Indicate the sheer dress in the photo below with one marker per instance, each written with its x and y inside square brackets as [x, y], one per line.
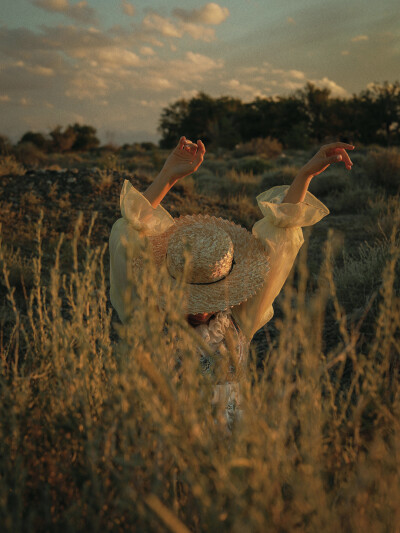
[279, 230]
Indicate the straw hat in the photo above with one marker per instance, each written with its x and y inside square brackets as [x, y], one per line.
[220, 263]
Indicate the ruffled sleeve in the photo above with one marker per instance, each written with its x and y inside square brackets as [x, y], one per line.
[139, 219]
[137, 211]
[280, 232]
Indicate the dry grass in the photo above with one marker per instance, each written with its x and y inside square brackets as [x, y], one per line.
[9, 165]
[102, 430]
[266, 147]
[106, 435]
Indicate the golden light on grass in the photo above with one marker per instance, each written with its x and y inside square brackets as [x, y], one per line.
[116, 435]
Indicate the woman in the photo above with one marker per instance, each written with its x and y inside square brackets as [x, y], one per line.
[234, 276]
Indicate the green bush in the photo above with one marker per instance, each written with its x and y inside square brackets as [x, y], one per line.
[332, 181]
[382, 167]
[279, 176]
[362, 274]
[351, 199]
[256, 165]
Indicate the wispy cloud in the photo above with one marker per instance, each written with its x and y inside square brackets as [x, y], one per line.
[80, 11]
[128, 8]
[153, 22]
[359, 38]
[211, 13]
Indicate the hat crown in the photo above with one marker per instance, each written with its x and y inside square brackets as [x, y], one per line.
[201, 252]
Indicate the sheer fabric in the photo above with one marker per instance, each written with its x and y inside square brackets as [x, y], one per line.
[279, 230]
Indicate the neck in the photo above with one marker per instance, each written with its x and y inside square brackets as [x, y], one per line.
[201, 318]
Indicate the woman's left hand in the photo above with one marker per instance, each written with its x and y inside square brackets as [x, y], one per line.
[326, 155]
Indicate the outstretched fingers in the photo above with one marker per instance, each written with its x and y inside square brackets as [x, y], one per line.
[338, 153]
[346, 146]
[201, 150]
[182, 142]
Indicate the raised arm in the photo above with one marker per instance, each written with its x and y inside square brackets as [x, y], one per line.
[183, 161]
[326, 155]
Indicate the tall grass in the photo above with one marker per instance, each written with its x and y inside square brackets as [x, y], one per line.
[99, 434]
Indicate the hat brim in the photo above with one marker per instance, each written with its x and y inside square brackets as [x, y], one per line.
[244, 280]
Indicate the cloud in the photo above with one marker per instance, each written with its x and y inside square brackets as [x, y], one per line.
[80, 11]
[112, 57]
[336, 90]
[198, 32]
[86, 85]
[209, 14]
[153, 22]
[156, 22]
[241, 90]
[147, 51]
[359, 38]
[128, 8]
[35, 69]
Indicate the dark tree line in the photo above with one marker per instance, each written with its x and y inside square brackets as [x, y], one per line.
[76, 137]
[307, 116]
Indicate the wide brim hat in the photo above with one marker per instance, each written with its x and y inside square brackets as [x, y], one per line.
[218, 263]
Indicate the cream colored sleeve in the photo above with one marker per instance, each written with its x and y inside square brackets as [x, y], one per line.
[139, 219]
[282, 237]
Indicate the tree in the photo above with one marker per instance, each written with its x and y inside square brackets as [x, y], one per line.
[171, 121]
[5, 145]
[85, 137]
[62, 141]
[77, 138]
[37, 139]
[308, 115]
[316, 103]
[384, 102]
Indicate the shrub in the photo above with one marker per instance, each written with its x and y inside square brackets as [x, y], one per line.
[103, 432]
[385, 215]
[354, 199]
[266, 147]
[9, 165]
[29, 155]
[383, 169]
[333, 181]
[362, 273]
[245, 211]
[243, 182]
[256, 165]
[279, 176]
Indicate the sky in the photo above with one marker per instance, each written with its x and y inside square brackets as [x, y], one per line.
[115, 64]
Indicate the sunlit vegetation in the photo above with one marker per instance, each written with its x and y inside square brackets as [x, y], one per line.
[101, 430]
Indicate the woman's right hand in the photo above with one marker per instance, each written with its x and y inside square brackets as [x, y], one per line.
[183, 160]
[326, 155]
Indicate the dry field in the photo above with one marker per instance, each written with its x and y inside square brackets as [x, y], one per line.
[97, 433]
